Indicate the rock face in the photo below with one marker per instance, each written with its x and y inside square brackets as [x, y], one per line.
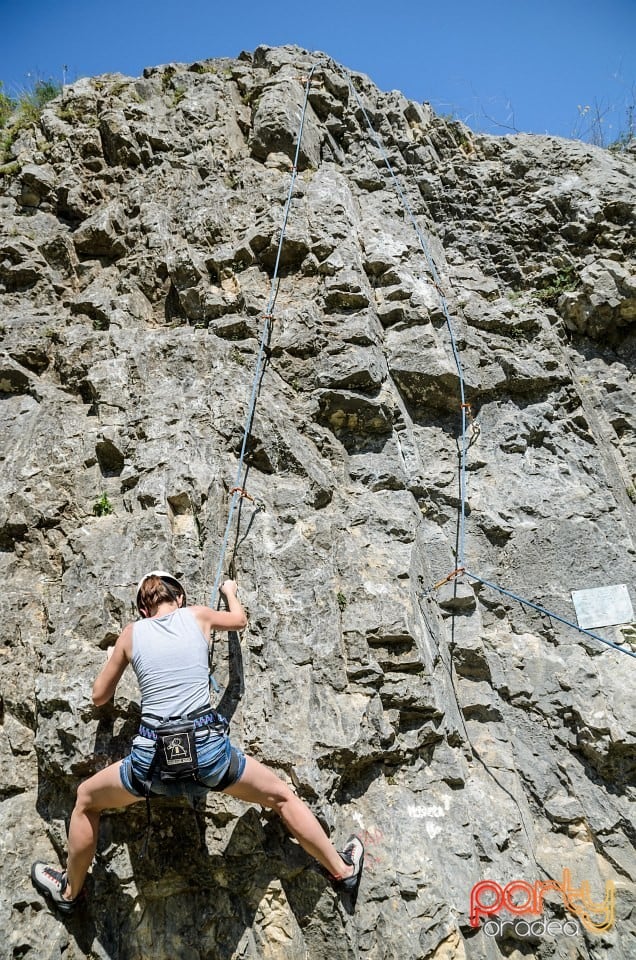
[463, 735]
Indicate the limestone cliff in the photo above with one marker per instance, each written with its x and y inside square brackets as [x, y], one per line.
[465, 736]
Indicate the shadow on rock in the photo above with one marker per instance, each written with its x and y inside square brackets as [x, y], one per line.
[183, 900]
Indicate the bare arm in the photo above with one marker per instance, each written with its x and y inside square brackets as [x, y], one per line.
[233, 618]
[111, 673]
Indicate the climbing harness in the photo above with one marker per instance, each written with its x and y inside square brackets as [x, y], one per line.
[175, 756]
[466, 412]
[175, 752]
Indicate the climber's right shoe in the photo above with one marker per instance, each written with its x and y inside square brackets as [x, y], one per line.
[352, 854]
[51, 884]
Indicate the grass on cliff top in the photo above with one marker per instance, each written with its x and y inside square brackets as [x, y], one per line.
[16, 113]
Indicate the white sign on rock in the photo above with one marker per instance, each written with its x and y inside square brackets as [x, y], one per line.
[603, 606]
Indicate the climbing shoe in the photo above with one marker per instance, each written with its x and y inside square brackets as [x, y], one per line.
[51, 884]
[353, 853]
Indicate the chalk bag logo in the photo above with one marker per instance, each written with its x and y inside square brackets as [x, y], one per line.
[488, 898]
[177, 748]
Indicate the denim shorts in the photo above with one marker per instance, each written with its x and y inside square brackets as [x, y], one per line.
[214, 751]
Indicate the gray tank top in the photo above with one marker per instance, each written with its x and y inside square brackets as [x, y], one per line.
[170, 659]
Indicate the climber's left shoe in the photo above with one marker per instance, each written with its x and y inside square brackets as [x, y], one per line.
[51, 884]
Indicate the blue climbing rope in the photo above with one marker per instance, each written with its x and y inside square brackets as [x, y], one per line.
[444, 305]
[548, 613]
[461, 550]
[237, 490]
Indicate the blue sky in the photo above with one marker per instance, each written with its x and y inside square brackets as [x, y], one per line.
[532, 65]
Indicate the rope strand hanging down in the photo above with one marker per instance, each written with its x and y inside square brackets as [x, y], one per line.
[466, 414]
[443, 303]
[267, 316]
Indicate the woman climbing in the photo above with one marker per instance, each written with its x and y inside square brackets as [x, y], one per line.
[168, 650]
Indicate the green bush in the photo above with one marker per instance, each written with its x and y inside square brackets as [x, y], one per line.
[17, 113]
[102, 507]
[7, 106]
[43, 92]
[551, 289]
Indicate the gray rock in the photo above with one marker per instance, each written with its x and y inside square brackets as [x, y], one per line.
[606, 300]
[276, 120]
[463, 734]
[118, 142]
[101, 235]
[38, 183]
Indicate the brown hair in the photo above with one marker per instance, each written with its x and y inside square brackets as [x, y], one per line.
[154, 591]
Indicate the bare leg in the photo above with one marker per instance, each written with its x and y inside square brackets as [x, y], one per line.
[260, 785]
[103, 791]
